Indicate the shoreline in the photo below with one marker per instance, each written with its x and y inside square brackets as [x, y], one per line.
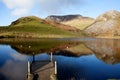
[107, 37]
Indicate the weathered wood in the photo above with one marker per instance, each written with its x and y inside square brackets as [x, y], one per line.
[51, 56]
[43, 70]
[55, 67]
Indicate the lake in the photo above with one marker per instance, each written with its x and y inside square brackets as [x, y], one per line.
[77, 59]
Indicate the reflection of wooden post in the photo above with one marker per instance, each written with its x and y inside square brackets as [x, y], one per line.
[55, 67]
[33, 58]
[51, 56]
[28, 70]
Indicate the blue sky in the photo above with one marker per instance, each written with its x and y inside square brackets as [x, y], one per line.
[10, 10]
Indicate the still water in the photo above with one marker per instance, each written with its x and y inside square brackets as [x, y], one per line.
[77, 59]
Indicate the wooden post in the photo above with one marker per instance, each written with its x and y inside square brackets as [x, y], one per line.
[51, 56]
[28, 70]
[55, 67]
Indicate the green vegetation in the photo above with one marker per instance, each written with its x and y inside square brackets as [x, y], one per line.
[33, 27]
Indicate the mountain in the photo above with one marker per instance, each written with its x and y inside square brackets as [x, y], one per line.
[77, 21]
[34, 19]
[34, 27]
[106, 25]
[62, 18]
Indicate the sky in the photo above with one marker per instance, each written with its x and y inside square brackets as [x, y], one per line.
[10, 10]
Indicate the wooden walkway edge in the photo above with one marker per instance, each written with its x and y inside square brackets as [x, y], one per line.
[42, 70]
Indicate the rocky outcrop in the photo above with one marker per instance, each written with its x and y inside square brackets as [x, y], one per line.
[107, 24]
[64, 18]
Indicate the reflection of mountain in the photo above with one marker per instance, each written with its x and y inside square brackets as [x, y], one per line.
[58, 47]
[75, 51]
[42, 47]
[38, 46]
[105, 49]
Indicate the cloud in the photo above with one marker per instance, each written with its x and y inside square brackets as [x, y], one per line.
[19, 7]
[20, 11]
[57, 6]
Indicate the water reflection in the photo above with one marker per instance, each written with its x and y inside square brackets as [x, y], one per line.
[106, 50]
[10, 64]
[78, 59]
[33, 46]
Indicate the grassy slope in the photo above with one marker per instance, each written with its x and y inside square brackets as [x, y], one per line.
[35, 29]
[80, 24]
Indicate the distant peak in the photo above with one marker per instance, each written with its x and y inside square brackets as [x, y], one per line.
[62, 18]
[74, 15]
[112, 14]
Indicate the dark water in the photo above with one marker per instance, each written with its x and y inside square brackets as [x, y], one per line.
[77, 59]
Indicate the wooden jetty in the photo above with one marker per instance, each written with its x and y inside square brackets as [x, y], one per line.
[42, 70]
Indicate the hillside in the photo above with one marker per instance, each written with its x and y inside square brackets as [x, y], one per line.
[106, 25]
[34, 27]
[77, 21]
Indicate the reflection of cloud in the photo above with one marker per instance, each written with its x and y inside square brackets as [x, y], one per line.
[16, 68]
[19, 57]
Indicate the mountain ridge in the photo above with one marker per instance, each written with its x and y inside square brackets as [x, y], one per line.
[63, 18]
[77, 21]
[105, 25]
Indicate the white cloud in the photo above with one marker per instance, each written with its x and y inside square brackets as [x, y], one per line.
[58, 6]
[19, 7]
[20, 11]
